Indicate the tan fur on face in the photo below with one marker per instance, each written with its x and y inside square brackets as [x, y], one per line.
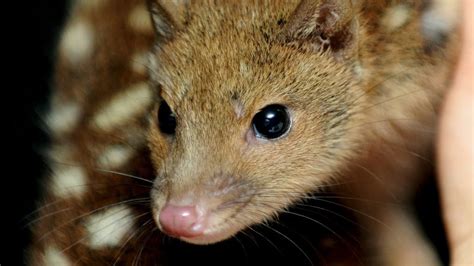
[322, 72]
[201, 79]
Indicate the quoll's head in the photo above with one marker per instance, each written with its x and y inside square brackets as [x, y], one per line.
[253, 109]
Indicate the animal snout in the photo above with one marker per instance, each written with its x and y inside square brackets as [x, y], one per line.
[182, 221]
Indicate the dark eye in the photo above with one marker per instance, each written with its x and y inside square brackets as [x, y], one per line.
[166, 119]
[271, 122]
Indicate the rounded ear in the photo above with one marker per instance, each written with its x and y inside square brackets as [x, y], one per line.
[320, 25]
[168, 16]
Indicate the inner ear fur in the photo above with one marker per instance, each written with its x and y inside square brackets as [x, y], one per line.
[323, 25]
[167, 16]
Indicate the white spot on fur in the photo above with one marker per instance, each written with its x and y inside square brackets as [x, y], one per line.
[77, 42]
[139, 19]
[53, 256]
[124, 107]
[115, 156]
[396, 16]
[440, 19]
[68, 181]
[139, 63]
[63, 117]
[108, 228]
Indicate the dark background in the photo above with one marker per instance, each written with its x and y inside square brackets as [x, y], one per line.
[35, 40]
[34, 33]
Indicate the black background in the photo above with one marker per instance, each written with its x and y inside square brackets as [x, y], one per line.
[32, 35]
[33, 44]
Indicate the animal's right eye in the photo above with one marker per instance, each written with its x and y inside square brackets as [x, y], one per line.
[272, 122]
[166, 119]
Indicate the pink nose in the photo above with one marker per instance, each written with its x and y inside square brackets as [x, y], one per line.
[181, 221]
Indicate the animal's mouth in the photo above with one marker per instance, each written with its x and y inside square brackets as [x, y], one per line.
[214, 235]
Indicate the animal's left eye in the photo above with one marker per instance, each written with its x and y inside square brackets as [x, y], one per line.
[166, 119]
[272, 122]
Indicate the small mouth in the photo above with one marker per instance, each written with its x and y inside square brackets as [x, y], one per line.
[212, 236]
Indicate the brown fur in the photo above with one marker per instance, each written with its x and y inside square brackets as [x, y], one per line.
[363, 100]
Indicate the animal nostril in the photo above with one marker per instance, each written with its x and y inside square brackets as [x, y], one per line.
[181, 221]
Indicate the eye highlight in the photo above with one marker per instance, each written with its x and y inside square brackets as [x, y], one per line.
[272, 122]
[166, 119]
